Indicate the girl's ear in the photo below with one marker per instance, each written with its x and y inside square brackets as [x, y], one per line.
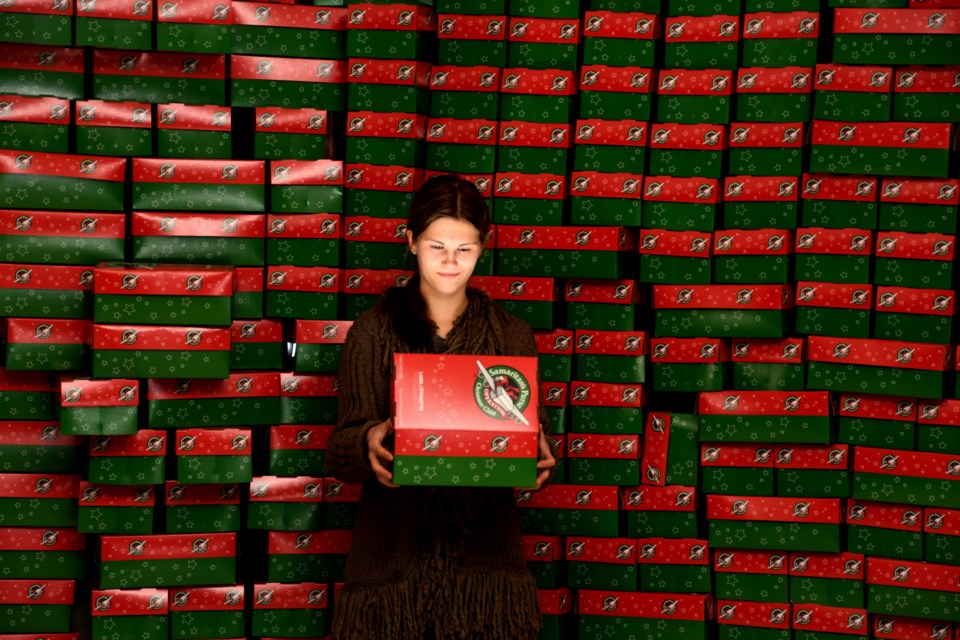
[410, 242]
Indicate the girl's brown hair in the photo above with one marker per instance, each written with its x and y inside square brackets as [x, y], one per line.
[448, 196]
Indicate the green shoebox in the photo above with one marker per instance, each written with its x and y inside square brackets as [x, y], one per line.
[904, 148]
[376, 243]
[299, 450]
[621, 614]
[555, 402]
[663, 512]
[341, 503]
[47, 345]
[380, 191]
[194, 131]
[833, 255]
[688, 96]
[393, 86]
[168, 560]
[607, 408]
[531, 147]
[158, 77]
[199, 185]
[768, 149]
[814, 471]
[530, 299]
[926, 94]
[920, 206]
[877, 421]
[941, 535]
[384, 138]
[590, 252]
[260, 30]
[363, 287]
[688, 150]
[612, 199]
[828, 577]
[306, 186]
[839, 202]
[115, 509]
[114, 23]
[915, 589]
[319, 345]
[936, 422]
[710, 41]
[317, 555]
[253, 399]
[207, 612]
[35, 124]
[132, 612]
[282, 609]
[288, 82]
[378, 30]
[610, 356]
[733, 311]
[38, 446]
[821, 622]
[856, 94]
[310, 399]
[681, 204]
[256, 344]
[753, 255]
[532, 95]
[601, 459]
[567, 9]
[630, 37]
[136, 459]
[545, 559]
[674, 565]
[834, 309]
[98, 407]
[617, 93]
[53, 71]
[26, 396]
[760, 202]
[61, 237]
[610, 143]
[213, 456]
[198, 26]
[912, 369]
[41, 290]
[555, 356]
[787, 524]
[670, 449]
[37, 608]
[465, 92]
[746, 470]
[204, 238]
[689, 364]
[202, 508]
[774, 95]
[761, 576]
[675, 257]
[42, 554]
[84, 183]
[113, 128]
[702, 7]
[285, 504]
[304, 240]
[781, 39]
[601, 563]
[769, 365]
[869, 36]
[461, 146]
[559, 509]
[543, 43]
[802, 417]
[470, 40]
[144, 351]
[247, 301]
[297, 134]
[894, 531]
[753, 620]
[914, 259]
[915, 315]
[609, 305]
[311, 293]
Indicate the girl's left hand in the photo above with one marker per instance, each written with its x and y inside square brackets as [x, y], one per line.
[546, 462]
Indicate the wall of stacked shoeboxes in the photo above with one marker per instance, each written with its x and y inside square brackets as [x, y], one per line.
[731, 222]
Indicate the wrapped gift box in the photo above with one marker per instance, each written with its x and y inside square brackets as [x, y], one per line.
[610, 614]
[625, 36]
[270, 30]
[37, 446]
[869, 36]
[198, 185]
[304, 240]
[461, 146]
[761, 576]
[362, 288]
[787, 524]
[921, 206]
[207, 612]
[892, 530]
[256, 344]
[839, 202]
[545, 559]
[674, 565]
[532, 95]
[666, 512]
[941, 535]
[607, 408]
[769, 365]
[689, 364]
[752, 255]
[399, 86]
[590, 252]
[675, 257]
[311, 293]
[738, 470]
[384, 138]
[115, 509]
[253, 400]
[555, 359]
[47, 345]
[211, 238]
[774, 96]
[375, 243]
[380, 191]
[568, 9]
[610, 143]
[833, 255]
[834, 309]
[837, 578]
[26, 396]
[670, 449]
[280, 608]
[814, 471]
[208, 456]
[918, 315]
[606, 198]
[247, 301]
[753, 620]
[895, 475]
[681, 204]
[299, 450]
[308, 399]
[115, 23]
[606, 304]
[918, 259]
[760, 202]
[198, 26]
[113, 128]
[142, 613]
[37, 608]
[285, 504]
[517, 195]
[194, 131]
[761, 311]
[780, 39]
[54, 71]
[821, 622]
[159, 560]
[556, 607]
[617, 94]
[471, 39]
[927, 94]
[127, 459]
[602, 563]
[288, 82]
[600, 459]
[158, 77]
[556, 400]
[317, 555]
[85, 183]
[143, 351]
[42, 554]
[61, 237]
[402, 31]
[914, 589]
[710, 41]
[935, 427]
[300, 134]
[306, 186]
[877, 421]
[901, 628]
[688, 150]
[464, 92]
[852, 93]
[768, 149]
[904, 148]
[98, 407]
[319, 345]
[341, 501]
[543, 42]
[559, 509]
[610, 356]
[531, 147]
[35, 124]
[692, 96]
[202, 508]
[803, 417]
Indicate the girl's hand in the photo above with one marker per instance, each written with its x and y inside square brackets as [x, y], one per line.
[378, 454]
[546, 460]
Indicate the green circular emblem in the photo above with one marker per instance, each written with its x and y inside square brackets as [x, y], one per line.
[508, 396]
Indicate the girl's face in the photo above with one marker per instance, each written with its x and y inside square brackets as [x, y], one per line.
[447, 252]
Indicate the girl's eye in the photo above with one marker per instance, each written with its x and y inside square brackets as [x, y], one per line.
[465, 249]
[437, 247]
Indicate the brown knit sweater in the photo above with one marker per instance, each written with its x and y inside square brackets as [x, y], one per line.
[447, 558]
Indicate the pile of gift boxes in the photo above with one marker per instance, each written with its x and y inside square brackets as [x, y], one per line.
[731, 224]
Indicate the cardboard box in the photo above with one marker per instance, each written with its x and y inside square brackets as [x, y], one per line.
[556, 403]
[691, 96]
[786, 524]
[688, 150]
[385, 192]
[530, 299]
[294, 556]
[402, 32]
[299, 450]
[545, 559]
[298, 134]
[544, 42]
[760, 311]
[202, 508]
[311, 293]
[760, 202]
[304, 240]
[288, 82]
[774, 95]
[868, 36]
[116, 23]
[752, 255]
[606, 198]
[38, 446]
[919, 315]
[601, 459]
[207, 456]
[376, 243]
[98, 407]
[894, 475]
[919, 587]
[126, 509]
[590, 252]
[610, 143]
[537, 95]
[834, 578]
[602, 304]
[814, 471]
[143, 351]
[739, 619]
[926, 94]
[839, 202]
[136, 459]
[37, 608]
[617, 93]
[602, 563]
[902, 628]
[607, 408]
[319, 345]
[674, 565]
[206, 612]
[804, 417]
[256, 344]
[200, 26]
[139, 612]
[47, 345]
[912, 149]
[341, 502]
[308, 399]
[385, 138]
[113, 128]
[314, 33]
[852, 93]
[611, 356]
[834, 309]
[892, 530]
[670, 449]
[818, 621]
[278, 608]
[362, 288]
[26, 396]
[710, 41]
[556, 608]
[877, 421]
[516, 194]
[158, 77]
[194, 131]
[914, 259]
[621, 36]
[465, 92]
[306, 186]
[558, 509]
[738, 470]
[756, 151]
[228, 239]
[681, 204]
[472, 40]
[760, 576]
[675, 257]
[935, 422]
[689, 364]
[664, 512]
[164, 560]
[769, 365]
[833, 255]
[61, 237]
[461, 146]
[780, 39]
[544, 8]
[940, 535]
[399, 86]
[54, 71]
[198, 185]
[42, 554]
[35, 124]
[532, 147]
[555, 355]
[247, 300]
[917, 205]
[622, 613]
[253, 399]
[89, 183]
[285, 504]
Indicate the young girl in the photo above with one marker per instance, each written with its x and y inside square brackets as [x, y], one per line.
[425, 562]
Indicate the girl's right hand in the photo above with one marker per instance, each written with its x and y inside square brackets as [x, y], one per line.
[378, 454]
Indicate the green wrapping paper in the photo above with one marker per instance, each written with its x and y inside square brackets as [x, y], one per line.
[311, 293]
[271, 30]
[914, 589]
[61, 237]
[532, 95]
[675, 257]
[858, 94]
[30, 446]
[26, 396]
[362, 288]
[692, 97]
[760, 255]
[288, 82]
[227, 239]
[194, 131]
[247, 301]
[38, 22]
[758, 575]
[308, 399]
[896, 529]
[774, 95]
[285, 504]
[788, 524]
[304, 186]
[877, 421]
[316, 555]
[319, 345]
[380, 191]
[253, 399]
[393, 86]
[533, 147]
[689, 364]
[839, 202]
[558, 510]
[531, 299]
[142, 351]
[753, 620]
[299, 450]
[628, 37]
[940, 535]
[544, 8]
[916, 315]
[555, 359]
[127, 460]
[543, 43]
[402, 32]
[544, 557]
[198, 185]
[461, 146]
[781, 39]
[611, 614]
[769, 365]
[200, 26]
[602, 563]
[207, 612]
[601, 143]
[688, 150]
[833, 255]
[681, 204]
[834, 309]
[922, 206]
[98, 407]
[35, 124]
[734, 311]
[868, 36]
[936, 427]
[815, 471]
[168, 560]
[607, 408]
[760, 202]
[600, 459]
[37, 608]
[602, 304]
[914, 259]
[802, 417]
[926, 94]
[214, 456]
[590, 252]
[146, 77]
[296, 610]
[702, 42]
[202, 508]
[517, 194]
[902, 148]
[834, 578]
[304, 240]
[113, 128]
[664, 512]
[375, 243]
[746, 470]
[83, 183]
[670, 450]
[768, 149]
[469, 40]
[114, 23]
[54, 71]
[256, 344]
[894, 475]
[464, 92]
[290, 133]
[48, 345]
[42, 554]
[385, 138]
[555, 402]
[142, 613]
[340, 504]
[612, 199]
[674, 565]
[115, 509]
[616, 93]
[610, 356]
